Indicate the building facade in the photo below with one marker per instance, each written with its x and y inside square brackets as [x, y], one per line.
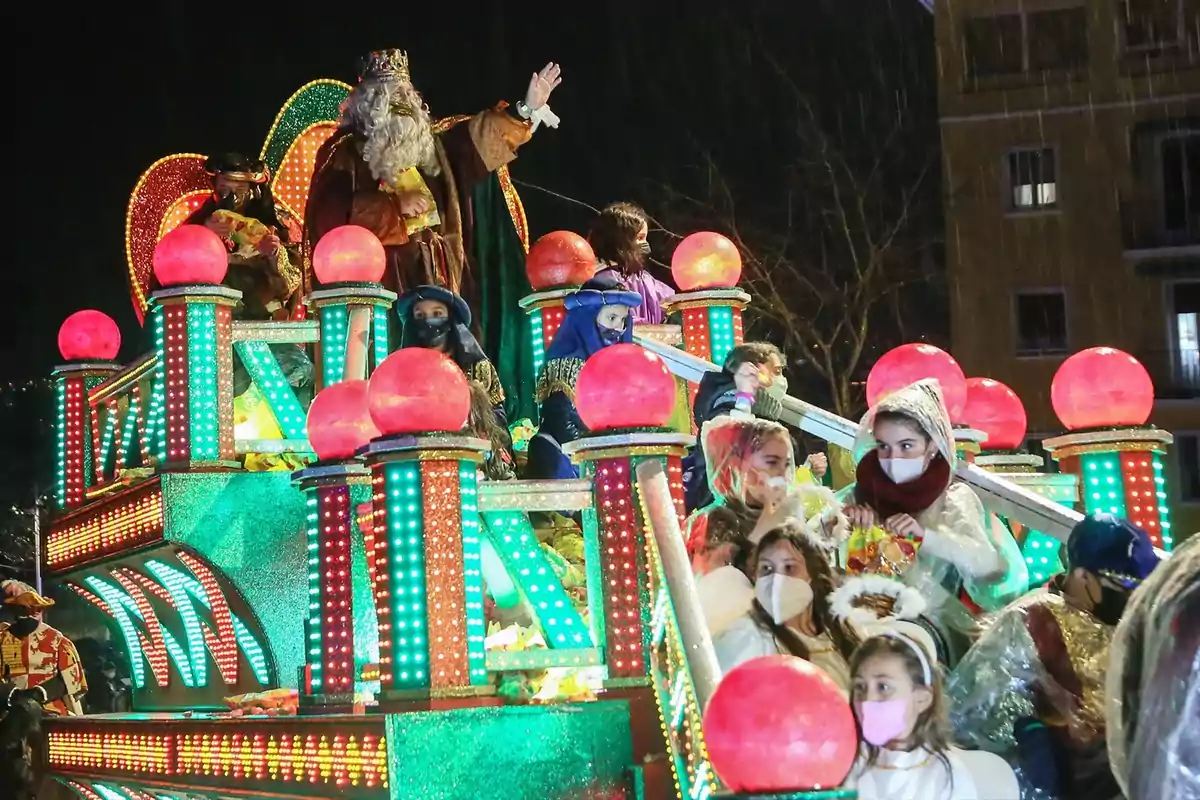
[1071, 142]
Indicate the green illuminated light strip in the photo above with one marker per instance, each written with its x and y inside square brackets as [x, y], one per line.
[536, 331]
[406, 568]
[1102, 486]
[106, 443]
[553, 610]
[202, 380]
[113, 597]
[380, 334]
[172, 581]
[334, 320]
[154, 436]
[720, 332]
[473, 572]
[1164, 511]
[265, 372]
[125, 448]
[314, 629]
[60, 464]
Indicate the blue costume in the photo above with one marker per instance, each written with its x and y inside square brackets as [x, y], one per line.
[579, 337]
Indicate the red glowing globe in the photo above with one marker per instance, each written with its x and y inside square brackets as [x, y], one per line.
[909, 363]
[624, 386]
[706, 260]
[779, 724]
[349, 254]
[561, 258]
[996, 410]
[89, 335]
[1102, 387]
[339, 420]
[190, 254]
[418, 390]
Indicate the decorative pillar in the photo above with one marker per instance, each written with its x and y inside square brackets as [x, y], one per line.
[193, 337]
[329, 670]
[355, 329]
[967, 442]
[1120, 472]
[74, 425]
[546, 312]
[427, 566]
[712, 325]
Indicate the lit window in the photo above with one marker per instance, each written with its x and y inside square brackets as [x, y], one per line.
[1031, 176]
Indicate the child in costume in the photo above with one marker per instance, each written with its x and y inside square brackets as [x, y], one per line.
[911, 517]
[598, 315]
[619, 240]
[1033, 687]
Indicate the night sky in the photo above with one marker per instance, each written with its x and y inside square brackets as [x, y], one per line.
[647, 86]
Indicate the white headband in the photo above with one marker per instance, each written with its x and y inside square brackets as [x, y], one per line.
[922, 656]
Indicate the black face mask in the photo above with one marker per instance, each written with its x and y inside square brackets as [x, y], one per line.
[609, 336]
[432, 331]
[644, 248]
[1111, 606]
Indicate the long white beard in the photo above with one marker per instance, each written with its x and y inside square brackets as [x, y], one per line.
[393, 142]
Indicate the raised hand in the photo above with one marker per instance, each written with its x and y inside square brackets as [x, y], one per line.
[861, 517]
[413, 204]
[221, 227]
[541, 85]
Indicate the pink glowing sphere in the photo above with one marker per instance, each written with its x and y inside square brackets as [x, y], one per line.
[339, 420]
[349, 254]
[706, 260]
[779, 724]
[909, 363]
[561, 258]
[89, 335]
[996, 410]
[1102, 387]
[188, 255]
[418, 390]
[624, 386]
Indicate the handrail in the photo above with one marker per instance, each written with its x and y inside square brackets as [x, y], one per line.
[293, 332]
[123, 379]
[999, 495]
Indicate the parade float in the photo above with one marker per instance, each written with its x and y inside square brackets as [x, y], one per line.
[339, 629]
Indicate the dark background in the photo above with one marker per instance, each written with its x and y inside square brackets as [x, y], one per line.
[651, 92]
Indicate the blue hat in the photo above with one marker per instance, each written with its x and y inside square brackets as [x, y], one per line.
[602, 291]
[458, 307]
[1112, 547]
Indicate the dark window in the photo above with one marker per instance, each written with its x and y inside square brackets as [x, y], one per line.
[993, 45]
[1057, 39]
[1041, 323]
[1187, 451]
[1152, 24]
[1031, 177]
[1181, 183]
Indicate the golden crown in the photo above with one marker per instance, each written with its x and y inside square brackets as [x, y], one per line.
[391, 63]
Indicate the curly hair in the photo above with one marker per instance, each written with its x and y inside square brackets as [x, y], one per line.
[614, 236]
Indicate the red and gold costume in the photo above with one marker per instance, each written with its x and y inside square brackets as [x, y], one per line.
[33, 654]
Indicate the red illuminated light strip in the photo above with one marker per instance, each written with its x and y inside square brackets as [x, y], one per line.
[225, 443]
[74, 441]
[124, 522]
[337, 624]
[445, 587]
[738, 331]
[1141, 494]
[552, 319]
[151, 641]
[178, 405]
[620, 569]
[383, 574]
[696, 334]
[223, 642]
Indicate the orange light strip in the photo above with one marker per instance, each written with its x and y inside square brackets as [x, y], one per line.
[445, 590]
[126, 521]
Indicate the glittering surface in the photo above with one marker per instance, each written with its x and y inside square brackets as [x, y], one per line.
[444, 587]
[294, 177]
[623, 570]
[366, 623]
[251, 527]
[313, 102]
[158, 190]
[577, 751]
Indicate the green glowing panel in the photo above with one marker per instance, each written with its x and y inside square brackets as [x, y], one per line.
[720, 332]
[1164, 511]
[511, 753]
[251, 526]
[202, 380]
[334, 320]
[536, 332]
[366, 623]
[380, 334]
[265, 372]
[60, 456]
[468, 475]
[319, 101]
[406, 575]
[313, 629]
[554, 611]
[1101, 483]
[154, 435]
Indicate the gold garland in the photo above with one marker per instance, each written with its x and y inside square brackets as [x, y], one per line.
[558, 375]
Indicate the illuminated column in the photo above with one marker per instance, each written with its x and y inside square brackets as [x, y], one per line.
[712, 321]
[967, 442]
[1104, 397]
[193, 333]
[546, 312]
[353, 306]
[329, 672]
[427, 566]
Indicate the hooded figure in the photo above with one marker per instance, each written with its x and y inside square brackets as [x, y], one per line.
[434, 317]
[1033, 687]
[598, 315]
[905, 485]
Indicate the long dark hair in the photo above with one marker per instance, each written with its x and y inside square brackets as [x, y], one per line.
[820, 578]
[614, 236]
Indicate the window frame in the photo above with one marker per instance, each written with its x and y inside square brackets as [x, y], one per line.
[1034, 291]
[1018, 9]
[1161, 47]
[1010, 185]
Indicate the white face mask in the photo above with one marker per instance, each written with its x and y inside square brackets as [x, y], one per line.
[783, 596]
[903, 470]
[778, 388]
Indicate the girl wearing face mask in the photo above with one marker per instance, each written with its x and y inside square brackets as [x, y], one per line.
[619, 239]
[905, 751]
[790, 610]
[905, 484]
[598, 316]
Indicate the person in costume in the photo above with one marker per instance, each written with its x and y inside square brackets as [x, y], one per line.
[912, 518]
[619, 240]
[789, 610]
[1154, 683]
[598, 315]
[484, 422]
[390, 169]
[752, 376]
[36, 661]
[905, 747]
[1033, 687]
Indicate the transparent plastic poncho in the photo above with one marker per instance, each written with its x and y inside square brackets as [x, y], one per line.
[1154, 684]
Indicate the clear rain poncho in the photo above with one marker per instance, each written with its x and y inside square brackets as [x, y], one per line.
[1154, 684]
